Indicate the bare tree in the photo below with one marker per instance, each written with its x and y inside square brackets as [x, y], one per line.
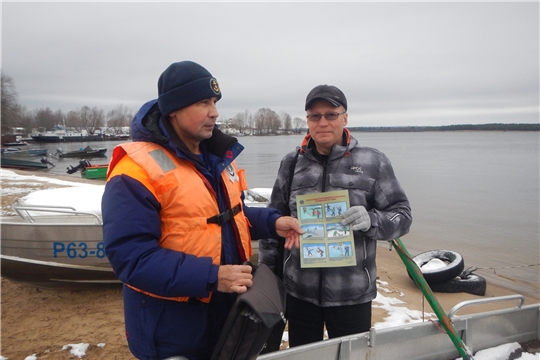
[238, 121]
[91, 119]
[48, 119]
[299, 124]
[286, 121]
[119, 117]
[266, 121]
[27, 120]
[72, 119]
[11, 110]
[274, 122]
[250, 122]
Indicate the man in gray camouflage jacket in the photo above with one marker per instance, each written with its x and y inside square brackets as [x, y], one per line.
[331, 159]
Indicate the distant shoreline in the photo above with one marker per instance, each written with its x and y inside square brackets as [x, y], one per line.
[462, 127]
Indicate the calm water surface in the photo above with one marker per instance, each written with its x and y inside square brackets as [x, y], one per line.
[475, 192]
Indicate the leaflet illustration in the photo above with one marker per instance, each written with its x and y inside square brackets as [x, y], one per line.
[325, 242]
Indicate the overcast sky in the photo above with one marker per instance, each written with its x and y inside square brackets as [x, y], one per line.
[399, 63]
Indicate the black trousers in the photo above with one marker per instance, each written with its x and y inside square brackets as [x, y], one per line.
[307, 320]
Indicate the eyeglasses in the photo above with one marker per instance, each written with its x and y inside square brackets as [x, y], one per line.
[332, 115]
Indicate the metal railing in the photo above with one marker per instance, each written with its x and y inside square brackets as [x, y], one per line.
[24, 211]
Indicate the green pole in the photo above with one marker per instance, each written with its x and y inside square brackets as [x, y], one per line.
[420, 281]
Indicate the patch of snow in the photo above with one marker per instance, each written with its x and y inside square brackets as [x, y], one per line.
[78, 350]
[434, 264]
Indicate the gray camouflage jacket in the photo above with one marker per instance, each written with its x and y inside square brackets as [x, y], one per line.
[369, 177]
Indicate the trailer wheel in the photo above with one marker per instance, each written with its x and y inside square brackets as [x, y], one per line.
[472, 284]
[453, 265]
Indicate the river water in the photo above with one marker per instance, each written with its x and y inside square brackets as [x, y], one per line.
[474, 192]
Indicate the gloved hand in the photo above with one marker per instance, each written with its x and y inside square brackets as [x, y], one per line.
[357, 217]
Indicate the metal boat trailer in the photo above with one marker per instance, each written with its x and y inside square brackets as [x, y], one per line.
[427, 341]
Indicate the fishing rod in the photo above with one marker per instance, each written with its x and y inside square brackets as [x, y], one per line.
[421, 282]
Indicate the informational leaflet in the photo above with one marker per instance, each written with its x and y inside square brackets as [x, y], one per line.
[325, 242]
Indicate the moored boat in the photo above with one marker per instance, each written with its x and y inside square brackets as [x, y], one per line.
[95, 172]
[89, 171]
[24, 152]
[61, 136]
[82, 152]
[15, 143]
[14, 162]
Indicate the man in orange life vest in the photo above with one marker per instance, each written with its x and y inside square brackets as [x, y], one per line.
[175, 226]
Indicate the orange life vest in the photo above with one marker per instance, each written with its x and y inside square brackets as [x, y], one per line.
[187, 200]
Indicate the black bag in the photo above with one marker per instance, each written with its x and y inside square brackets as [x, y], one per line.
[252, 318]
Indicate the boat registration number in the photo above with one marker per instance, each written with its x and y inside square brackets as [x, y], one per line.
[81, 250]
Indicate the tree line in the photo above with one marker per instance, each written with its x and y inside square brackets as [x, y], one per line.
[264, 122]
[14, 115]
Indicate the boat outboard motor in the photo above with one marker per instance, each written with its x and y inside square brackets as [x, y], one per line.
[72, 170]
[83, 164]
[44, 160]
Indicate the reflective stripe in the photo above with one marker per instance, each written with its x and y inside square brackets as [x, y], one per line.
[162, 160]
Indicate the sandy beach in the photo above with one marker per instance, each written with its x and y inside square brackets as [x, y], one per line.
[42, 322]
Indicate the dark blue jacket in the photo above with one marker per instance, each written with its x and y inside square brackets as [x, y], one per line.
[158, 328]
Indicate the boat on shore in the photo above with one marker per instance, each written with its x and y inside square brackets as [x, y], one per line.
[58, 246]
[82, 152]
[426, 340]
[89, 171]
[54, 247]
[24, 152]
[95, 172]
[14, 162]
[15, 143]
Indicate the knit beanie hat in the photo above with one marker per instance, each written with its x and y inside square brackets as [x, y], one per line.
[185, 83]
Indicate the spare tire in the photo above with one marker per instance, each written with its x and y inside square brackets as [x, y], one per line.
[453, 265]
[472, 284]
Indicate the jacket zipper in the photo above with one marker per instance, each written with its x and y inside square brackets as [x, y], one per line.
[321, 270]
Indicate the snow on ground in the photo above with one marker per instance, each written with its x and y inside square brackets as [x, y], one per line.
[89, 199]
[397, 314]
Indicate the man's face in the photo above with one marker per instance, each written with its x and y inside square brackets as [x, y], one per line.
[326, 133]
[195, 123]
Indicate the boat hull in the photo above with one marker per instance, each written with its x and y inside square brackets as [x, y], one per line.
[55, 251]
[17, 163]
[25, 152]
[426, 340]
[95, 172]
[54, 275]
[75, 138]
[84, 153]
[59, 251]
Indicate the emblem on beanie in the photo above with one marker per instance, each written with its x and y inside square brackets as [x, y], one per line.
[214, 85]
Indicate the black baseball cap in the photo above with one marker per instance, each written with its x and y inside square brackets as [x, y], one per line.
[329, 93]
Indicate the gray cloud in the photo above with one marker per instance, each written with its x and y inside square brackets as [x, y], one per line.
[426, 63]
